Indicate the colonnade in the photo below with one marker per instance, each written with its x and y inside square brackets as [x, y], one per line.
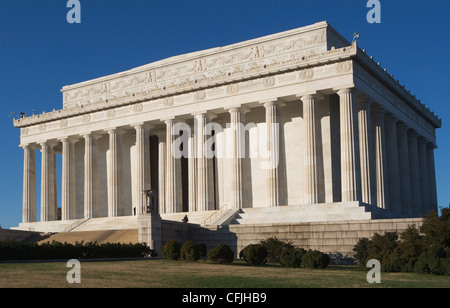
[383, 162]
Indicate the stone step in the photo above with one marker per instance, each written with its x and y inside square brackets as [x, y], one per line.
[104, 236]
[193, 217]
[303, 213]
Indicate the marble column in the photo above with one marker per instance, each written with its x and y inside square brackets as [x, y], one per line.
[53, 206]
[395, 195]
[404, 166]
[68, 193]
[205, 180]
[432, 177]
[368, 189]
[237, 145]
[192, 173]
[46, 196]
[416, 201]
[424, 177]
[90, 166]
[350, 158]
[313, 159]
[142, 167]
[115, 173]
[381, 173]
[173, 172]
[161, 171]
[29, 184]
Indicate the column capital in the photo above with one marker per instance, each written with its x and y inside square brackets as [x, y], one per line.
[71, 139]
[238, 108]
[31, 146]
[422, 140]
[273, 102]
[391, 117]
[168, 120]
[347, 90]
[310, 95]
[412, 133]
[402, 125]
[431, 146]
[143, 125]
[378, 109]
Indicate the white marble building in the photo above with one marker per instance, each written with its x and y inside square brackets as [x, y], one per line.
[329, 135]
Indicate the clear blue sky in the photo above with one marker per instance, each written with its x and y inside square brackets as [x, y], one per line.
[40, 53]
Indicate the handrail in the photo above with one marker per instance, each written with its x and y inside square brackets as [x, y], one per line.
[76, 224]
[218, 212]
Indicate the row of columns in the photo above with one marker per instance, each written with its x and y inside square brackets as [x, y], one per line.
[392, 170]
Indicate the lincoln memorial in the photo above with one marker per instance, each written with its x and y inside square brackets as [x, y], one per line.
[298, 126]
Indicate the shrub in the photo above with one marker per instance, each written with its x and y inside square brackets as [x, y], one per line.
[222, 253]
[171, 250]
[254, 254]
[432, 261]
[292, 257]
[315, 259]
[274, 248]
[361, 250]
[190, 251]
[378, 247]
[11, 250]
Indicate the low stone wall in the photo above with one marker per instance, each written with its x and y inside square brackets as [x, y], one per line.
[328, 237]
[16, 235]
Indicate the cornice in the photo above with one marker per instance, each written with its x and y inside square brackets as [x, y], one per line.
[268, 61]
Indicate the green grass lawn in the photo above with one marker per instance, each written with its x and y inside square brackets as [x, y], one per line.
[202, 274]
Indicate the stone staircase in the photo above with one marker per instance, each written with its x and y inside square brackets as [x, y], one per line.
[108, 223]
[303, 213]
[104, 236]
[193, 217]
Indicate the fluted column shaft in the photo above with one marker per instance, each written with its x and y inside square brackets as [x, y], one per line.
[29, 185]
[432, 177]
[237, 145]
[161, 171]
[46, 182]
[68, 193]
[380, 158]
[312, 158]
[114, 175]
[173, 172]
[89, 175]
[192, 172]
[424, 177]
[404, 166]
[142, 168]
[416, 201]
[366, 152]
[205, 184]
[350, 159]
[395, 199]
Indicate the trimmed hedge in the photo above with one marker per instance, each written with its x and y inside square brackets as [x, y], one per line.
[292, 257]
[222, 253]
[190, 251]
[274, 248]
[13, 250]
[315, 259]
[254, 254]
[277, 251]
[171, 250]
